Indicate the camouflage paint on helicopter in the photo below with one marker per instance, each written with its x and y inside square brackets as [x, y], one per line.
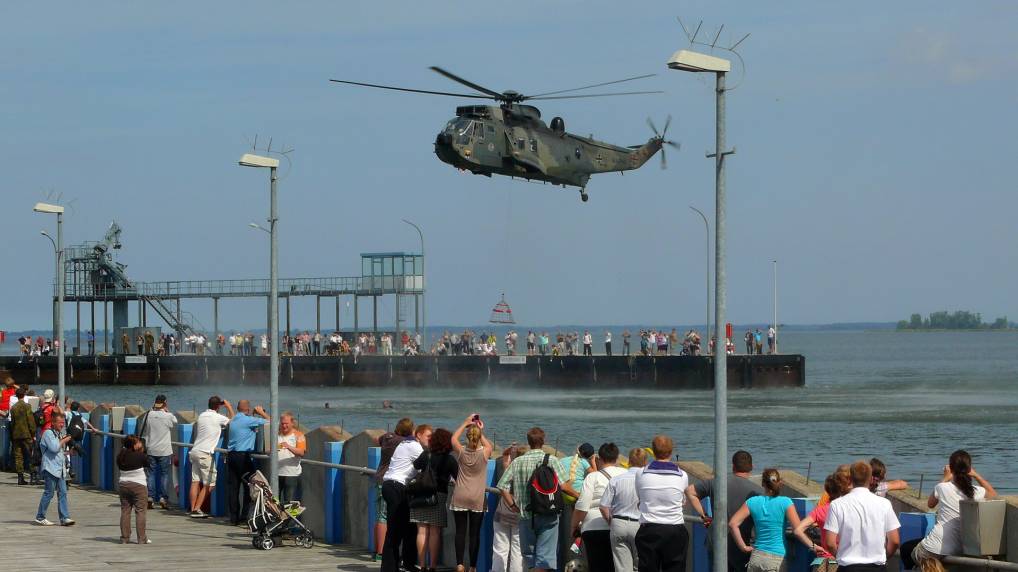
[511, 139]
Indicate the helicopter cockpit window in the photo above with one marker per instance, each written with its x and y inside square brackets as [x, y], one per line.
[521, 143]
[465, 130]
[533, 145]
[479, 131]
[458, 126]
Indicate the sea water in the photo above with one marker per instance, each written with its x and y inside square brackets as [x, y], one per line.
[908, 398]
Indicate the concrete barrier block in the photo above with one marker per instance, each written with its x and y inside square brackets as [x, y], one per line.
[358, 511]
[313, 478]
[1011, 522]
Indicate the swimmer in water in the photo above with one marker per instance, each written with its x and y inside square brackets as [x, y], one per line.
[326, 404]
[387, 404]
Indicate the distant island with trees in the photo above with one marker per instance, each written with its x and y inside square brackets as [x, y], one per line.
[960, 320]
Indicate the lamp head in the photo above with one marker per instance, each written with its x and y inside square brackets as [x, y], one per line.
[249, 160]
[48, 208]
[690, 61]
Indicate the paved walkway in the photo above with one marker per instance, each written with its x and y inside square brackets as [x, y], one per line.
[178, 542]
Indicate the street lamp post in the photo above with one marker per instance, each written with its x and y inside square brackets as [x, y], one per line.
[249, 160]
[690, 61]
[706, 271]
[775, 322]
[58, 334]
[424, 305]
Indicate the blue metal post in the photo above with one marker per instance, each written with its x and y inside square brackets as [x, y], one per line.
[487, 527]
[701, 556]
[914, 525]
[334, 494]
[184, 466]
[5, 445]
[217, 499]
[105, 455]
[374, 459]
[801, 556]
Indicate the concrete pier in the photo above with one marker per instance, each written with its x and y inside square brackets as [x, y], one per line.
[661, 372]
[178, 542]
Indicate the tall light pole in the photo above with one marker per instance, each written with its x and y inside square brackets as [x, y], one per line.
[686, 60]
[775, 322]
[706, 271]
[424, 305]
[249, 160]
[58, 335]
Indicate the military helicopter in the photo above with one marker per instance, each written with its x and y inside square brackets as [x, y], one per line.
[511, 139]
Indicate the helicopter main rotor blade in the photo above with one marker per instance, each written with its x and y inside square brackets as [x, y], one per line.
[471, 95]
[590, 86]
[595, 95]
[667, 123]
[467, 83]
[653, 128]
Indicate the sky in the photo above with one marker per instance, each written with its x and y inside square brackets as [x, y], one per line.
[874, 154]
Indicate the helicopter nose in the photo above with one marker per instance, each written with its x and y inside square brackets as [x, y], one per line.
[443, 139]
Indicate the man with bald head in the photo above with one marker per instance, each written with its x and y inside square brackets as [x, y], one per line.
[241, 443]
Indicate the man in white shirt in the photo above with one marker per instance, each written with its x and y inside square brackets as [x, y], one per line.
[207, 430]
[608, 343]
[156, 428]
[587, 515]
[397, 503]
[588, 342]
[862, 527]
[620, 507]
[661, 487]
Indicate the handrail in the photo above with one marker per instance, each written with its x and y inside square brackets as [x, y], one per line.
[365, 471]
[980, 562]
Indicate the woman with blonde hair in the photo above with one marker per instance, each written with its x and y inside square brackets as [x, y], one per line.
[469, 495]
[771, 512]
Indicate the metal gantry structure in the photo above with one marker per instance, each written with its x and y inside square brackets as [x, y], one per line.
[92, 276]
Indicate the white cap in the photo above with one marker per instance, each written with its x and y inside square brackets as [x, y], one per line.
[48, 396]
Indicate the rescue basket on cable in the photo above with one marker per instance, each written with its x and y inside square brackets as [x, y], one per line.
[502, 313]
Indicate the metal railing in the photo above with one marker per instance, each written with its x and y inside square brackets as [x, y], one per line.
[253, 287]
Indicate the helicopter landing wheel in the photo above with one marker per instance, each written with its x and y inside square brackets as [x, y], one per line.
[583, 196]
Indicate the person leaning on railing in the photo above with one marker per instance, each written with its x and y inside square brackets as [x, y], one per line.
[945, 539]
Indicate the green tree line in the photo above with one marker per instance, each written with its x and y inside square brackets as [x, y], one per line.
[959, 320]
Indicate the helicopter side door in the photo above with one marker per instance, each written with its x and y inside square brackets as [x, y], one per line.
[486, 144]
[525, 148]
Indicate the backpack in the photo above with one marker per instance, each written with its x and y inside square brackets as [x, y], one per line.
[76, 427]
[42, 414]
[545, 492]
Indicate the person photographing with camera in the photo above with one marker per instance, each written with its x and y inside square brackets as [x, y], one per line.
[52, 443]
[469, 494]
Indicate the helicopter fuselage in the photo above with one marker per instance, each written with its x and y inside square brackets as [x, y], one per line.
[513, 140]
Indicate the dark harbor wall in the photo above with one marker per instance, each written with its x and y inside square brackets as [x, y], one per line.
[672, 372]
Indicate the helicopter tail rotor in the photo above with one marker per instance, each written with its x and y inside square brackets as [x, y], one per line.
[660, 137]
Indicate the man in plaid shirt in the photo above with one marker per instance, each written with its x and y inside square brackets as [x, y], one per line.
[538, 533]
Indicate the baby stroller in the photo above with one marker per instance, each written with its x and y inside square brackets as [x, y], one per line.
[270, 520]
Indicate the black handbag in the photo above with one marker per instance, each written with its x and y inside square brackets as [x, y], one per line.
[423, 488]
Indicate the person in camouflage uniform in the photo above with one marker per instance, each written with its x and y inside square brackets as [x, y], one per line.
[22, 434]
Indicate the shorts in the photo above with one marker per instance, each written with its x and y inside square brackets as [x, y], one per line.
[539, 541]
[381, 512]
[760, 561]
[203, 467]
